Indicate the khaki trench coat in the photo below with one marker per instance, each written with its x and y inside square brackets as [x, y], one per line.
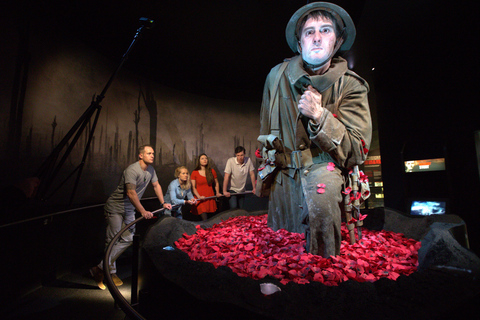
[342, 137]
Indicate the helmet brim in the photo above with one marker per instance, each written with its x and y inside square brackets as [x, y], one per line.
[350, 32]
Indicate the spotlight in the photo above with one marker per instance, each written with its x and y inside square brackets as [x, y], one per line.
[147, 23]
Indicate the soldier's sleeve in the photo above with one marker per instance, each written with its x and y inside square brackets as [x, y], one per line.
[347, 134]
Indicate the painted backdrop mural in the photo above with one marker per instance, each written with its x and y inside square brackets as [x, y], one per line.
[62, 78]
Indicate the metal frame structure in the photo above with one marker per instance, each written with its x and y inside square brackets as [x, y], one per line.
[50, 168]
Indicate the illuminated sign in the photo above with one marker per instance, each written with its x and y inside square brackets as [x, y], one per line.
[373, 160]
[425, 165]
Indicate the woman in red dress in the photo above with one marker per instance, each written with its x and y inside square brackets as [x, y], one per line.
[203, 178]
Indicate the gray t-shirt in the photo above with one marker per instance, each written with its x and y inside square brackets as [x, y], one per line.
[118, 202]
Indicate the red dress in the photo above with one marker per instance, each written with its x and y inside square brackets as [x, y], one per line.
[206, 190]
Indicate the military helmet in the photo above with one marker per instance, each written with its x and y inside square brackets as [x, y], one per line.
[342, 17]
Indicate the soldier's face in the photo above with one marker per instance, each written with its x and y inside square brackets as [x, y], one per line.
[317, 40]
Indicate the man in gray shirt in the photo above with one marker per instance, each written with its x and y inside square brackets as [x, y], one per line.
[121, 205]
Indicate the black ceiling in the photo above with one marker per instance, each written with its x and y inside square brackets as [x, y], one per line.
[226, 48]
[223, 49]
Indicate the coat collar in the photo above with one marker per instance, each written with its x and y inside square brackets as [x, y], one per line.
[298, 77]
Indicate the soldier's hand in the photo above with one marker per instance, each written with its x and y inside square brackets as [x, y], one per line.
[310, 104]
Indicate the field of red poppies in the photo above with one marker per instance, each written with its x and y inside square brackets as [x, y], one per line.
[250, 248]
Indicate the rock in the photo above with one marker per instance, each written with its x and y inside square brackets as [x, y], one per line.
[440, 248]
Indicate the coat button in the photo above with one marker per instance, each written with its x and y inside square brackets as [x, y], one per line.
[302, 147]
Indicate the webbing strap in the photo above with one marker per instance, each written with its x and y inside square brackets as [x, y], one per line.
[274, 110]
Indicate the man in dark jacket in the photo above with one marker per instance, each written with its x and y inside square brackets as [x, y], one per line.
[318, 109]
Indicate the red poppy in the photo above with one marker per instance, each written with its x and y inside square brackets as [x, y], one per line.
[251, 249]
[321, 188]
[363, 177]
[331, 166]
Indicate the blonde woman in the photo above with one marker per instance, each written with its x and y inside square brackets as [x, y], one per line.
[179, 192]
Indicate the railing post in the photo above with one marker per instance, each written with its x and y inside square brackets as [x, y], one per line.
[135, 256]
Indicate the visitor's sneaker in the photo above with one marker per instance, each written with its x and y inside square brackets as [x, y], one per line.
[118, 282]
[97, 275]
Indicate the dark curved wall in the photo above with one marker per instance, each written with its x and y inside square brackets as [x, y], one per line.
[48, 79]
[61, 76]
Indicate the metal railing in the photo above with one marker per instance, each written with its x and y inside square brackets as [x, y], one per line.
[50, 215]
[128, 308]
[125, 306]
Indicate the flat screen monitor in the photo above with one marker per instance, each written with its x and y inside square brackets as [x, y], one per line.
[427, 207]
[425, 165]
